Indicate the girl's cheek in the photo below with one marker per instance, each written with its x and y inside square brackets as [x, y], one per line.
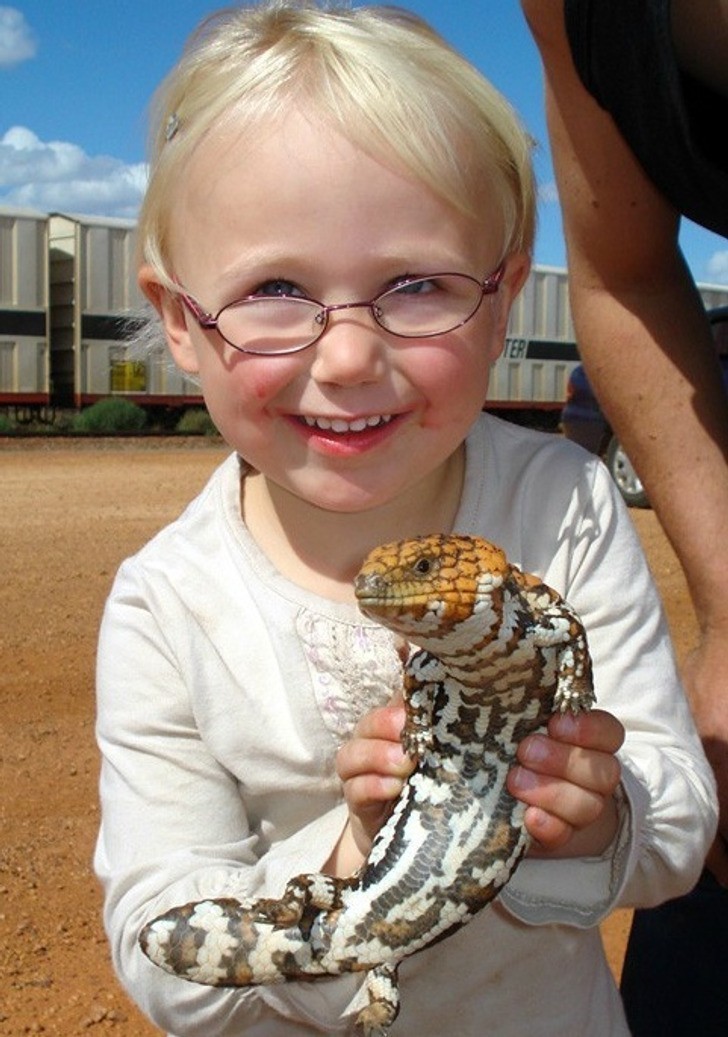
[259, 379]
[263, 386]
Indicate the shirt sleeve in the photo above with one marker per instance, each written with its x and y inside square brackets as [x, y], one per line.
[175, 830]
[667, 803]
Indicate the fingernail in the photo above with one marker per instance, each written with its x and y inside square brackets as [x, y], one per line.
[566, 725]
[523, 779]
[398, 759]
[391, 787]
[534, 749]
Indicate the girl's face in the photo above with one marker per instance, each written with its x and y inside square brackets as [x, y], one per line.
[361, 418]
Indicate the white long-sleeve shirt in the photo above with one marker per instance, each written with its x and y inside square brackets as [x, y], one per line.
[224, 691]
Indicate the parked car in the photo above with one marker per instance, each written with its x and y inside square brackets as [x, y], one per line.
[583, 422]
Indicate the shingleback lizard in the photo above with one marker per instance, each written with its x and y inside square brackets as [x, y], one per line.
[496, 652]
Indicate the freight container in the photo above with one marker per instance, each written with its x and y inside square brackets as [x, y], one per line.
[25, 379]
[69, 302]
[540, 351]
[96, 306]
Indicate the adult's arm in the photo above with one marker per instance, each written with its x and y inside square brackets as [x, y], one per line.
[648, 351]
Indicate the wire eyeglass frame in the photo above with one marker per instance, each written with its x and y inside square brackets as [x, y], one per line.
[210, 322]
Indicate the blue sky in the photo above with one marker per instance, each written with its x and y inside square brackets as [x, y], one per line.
[76, 77]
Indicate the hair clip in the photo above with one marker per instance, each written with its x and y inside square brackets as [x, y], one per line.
[171, 126]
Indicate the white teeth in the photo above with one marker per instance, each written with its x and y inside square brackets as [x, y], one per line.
[340, 425]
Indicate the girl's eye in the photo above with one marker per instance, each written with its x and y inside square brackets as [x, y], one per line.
[279, 287]
[418, 286]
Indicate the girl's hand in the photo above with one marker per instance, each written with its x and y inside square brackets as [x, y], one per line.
[373, 769]
[567, 778]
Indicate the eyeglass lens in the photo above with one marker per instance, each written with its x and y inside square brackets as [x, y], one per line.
[429, 306]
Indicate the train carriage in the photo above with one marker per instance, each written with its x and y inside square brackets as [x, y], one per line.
[96, 307]
[540, 350]
[25, 371]
[69, 303]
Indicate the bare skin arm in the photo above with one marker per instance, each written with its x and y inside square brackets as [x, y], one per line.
[649, 354]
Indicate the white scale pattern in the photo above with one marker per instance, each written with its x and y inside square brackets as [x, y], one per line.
[494, 671]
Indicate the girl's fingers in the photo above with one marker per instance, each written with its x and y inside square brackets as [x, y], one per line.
[596, 729]
[549, 831]
[588, 769]
[579, 750]
[373, 766]
[565, 817]
[375, 747]
[386, 722]
[564, 776]
[370, 766]
[574, 805]
[567, 778]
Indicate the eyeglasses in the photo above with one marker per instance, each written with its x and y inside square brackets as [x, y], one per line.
[274, 325]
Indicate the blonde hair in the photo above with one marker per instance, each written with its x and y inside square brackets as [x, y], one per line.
[380, 76]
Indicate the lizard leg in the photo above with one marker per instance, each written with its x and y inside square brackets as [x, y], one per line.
[383, 1007]
[302, 895]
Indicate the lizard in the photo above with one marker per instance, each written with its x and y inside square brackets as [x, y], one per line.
[496, 651]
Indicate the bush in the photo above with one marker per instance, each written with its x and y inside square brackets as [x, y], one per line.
[112, 415]
[196, 422]
[64, 421]
[6, 425]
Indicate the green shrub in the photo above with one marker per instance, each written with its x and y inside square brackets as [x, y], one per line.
[64, 421]
[196, 422]
[6, 425]
[112, 415]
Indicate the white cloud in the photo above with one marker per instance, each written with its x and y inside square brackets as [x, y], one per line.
[717, 267]
[60, 176]
[17, 41]
[547, 193]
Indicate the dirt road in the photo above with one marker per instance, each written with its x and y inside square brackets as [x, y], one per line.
[69, 515]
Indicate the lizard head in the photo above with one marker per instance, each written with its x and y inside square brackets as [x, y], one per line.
[429, 583]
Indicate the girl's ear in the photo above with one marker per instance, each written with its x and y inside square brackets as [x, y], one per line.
[517, 269]
[173, 316]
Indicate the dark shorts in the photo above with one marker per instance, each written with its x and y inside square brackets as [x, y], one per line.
[675, 978]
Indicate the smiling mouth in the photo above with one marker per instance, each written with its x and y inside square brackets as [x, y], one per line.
[339, 425]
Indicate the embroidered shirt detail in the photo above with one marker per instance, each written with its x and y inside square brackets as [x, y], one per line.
[354, 668]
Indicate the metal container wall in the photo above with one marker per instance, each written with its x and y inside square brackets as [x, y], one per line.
[96, 304]
[69, 303]
[24, 324]
[93, 295]
[540, 350]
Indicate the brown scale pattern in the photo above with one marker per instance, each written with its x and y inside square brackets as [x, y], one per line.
[474, 687]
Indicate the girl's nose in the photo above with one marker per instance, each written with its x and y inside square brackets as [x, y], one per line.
[351, 351]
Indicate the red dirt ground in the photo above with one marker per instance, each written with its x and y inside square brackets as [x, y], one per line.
[70, 513]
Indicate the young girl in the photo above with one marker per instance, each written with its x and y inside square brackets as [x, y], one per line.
[339, 215]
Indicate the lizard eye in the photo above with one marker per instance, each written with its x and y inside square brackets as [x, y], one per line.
[424, 566]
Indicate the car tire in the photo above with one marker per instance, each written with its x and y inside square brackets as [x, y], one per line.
[628, 482]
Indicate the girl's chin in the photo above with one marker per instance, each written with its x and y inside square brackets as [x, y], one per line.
[339, 495]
